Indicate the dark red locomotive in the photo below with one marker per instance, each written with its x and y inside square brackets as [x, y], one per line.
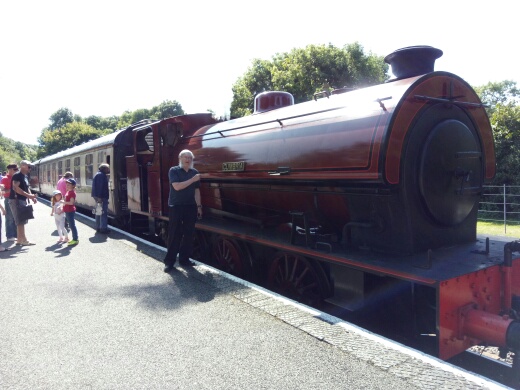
[365, 199]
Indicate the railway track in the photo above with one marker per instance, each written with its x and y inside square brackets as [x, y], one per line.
[487, 362]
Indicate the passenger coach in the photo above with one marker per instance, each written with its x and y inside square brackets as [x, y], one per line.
[82, 161]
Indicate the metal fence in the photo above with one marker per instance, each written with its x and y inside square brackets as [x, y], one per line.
[500, 204]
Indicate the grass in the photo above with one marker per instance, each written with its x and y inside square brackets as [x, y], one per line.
[497, 229]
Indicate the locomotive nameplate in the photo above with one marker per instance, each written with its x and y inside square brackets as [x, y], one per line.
[237, 166]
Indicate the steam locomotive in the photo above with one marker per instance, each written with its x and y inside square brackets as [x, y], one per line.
[364, 199]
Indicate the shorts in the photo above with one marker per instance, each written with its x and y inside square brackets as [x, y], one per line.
[13, 203]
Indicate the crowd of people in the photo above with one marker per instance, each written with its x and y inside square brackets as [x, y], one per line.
[184, 204]
[17, 195]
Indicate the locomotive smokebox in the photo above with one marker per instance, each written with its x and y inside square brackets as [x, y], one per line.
[413, 61]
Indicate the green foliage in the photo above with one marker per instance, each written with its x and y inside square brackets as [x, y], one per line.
[506, 129]
[130, 117]
[164, 110]
[257, 79]
[497, 229]
[67, 130]
[498, 93]
[100, 123]
[140, 114]
[504, 115]
[303, 72]
[25, 151]
[14, 152]
[72, 134]
[167, 109]
[60, 118]
[125, 119]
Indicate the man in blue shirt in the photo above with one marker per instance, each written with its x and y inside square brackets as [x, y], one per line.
[184, 207]
[100, 193]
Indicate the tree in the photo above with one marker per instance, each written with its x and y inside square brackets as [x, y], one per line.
[506, 131]
[164, 110]
[140, 114]
[72, 134]
[498, 93]
[100, 123]
[303, 72]
[60, 118]
[257, 79]
[14, 152]
[125, 119]
[167, 109]
[25, 151]
[503, 109]
[130, 117]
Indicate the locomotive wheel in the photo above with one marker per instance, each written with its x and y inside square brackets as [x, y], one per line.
[297, 278]
[230, 258]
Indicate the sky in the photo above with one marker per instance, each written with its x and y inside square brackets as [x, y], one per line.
[103, 57]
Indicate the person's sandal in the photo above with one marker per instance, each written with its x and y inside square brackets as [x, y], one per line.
[25, 243]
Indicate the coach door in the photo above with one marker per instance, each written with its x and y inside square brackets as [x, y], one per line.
[151, 170]
[137, 170]
[170, 134]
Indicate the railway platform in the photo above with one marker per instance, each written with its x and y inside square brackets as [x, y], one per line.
[104, 315]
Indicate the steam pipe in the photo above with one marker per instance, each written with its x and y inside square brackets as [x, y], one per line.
[500, 331]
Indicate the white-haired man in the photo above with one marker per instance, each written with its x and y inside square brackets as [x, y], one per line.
[184, 206]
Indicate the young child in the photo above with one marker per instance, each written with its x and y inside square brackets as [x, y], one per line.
[70, 210]
[59, 216]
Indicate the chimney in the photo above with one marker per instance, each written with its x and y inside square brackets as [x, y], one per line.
[412, 61]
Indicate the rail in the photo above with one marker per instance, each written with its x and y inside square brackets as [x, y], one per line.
[500, 204]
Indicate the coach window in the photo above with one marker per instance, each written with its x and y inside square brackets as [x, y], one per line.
[89, 169]
[60, 169]
[171, 134]
[53, 172]
[48, 169]
[149, 140]
[67, 165]
[144, 141]
[101, 157]
[77, 169]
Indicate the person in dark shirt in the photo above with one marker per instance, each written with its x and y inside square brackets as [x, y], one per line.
[184, 206]
[100, 194]
[20, 193]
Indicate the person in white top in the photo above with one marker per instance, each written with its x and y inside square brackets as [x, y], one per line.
[59, 216]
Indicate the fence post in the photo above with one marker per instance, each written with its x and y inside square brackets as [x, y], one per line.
[505, 218]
